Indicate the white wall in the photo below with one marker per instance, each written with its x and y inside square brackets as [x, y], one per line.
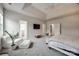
[1, 11]
[69, 29]
[12, 23]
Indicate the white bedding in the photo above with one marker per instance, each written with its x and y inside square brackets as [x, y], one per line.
[63, 46]
[25, 44]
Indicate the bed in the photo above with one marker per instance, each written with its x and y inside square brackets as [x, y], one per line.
[63, 48]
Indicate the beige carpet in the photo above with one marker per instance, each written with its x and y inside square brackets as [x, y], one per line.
[39, 48]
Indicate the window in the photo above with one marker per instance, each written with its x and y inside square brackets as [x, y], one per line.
[1, 24]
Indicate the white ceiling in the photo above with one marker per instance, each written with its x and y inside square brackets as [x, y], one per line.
[43, 11]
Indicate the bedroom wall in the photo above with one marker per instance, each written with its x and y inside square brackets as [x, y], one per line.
[1, 11]
[12, 23]
[69, 28]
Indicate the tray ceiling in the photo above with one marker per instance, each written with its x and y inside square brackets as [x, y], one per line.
[43, 11]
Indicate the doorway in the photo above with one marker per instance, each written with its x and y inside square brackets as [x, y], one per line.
[54, 29]
[23, 29]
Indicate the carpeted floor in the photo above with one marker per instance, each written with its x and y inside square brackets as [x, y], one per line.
[38, 48]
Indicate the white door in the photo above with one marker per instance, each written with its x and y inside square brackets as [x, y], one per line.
[23, 29]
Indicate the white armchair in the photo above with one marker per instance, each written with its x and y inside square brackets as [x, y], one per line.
[4, 48]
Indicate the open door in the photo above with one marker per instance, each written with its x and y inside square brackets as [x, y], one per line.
[54, 29]
[23, 29]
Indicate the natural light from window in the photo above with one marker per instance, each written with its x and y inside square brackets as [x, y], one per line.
[1, 24]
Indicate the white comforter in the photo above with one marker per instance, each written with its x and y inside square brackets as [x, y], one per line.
[63, 46]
